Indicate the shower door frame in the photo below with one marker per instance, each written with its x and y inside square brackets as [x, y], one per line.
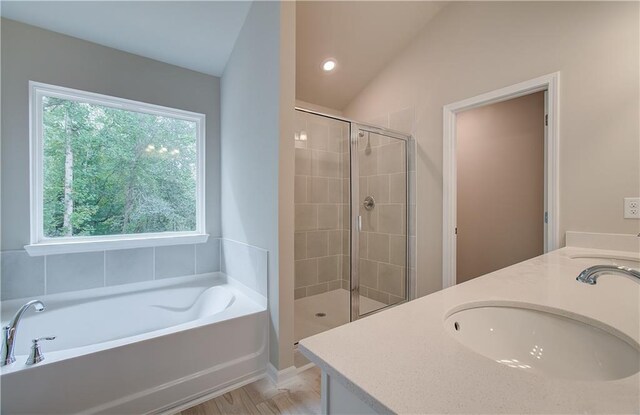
[354, 278]
[355, 129]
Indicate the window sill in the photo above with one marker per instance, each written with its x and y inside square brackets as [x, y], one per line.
[68, 247]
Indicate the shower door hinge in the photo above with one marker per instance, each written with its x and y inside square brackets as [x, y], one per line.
[546, 217]
[456, 230]
[359, 223]
[546, 119]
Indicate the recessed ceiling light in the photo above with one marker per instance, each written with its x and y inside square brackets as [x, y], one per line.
[329, 65]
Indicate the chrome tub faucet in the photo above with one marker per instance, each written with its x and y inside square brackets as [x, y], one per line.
[590, 275]
[10, 331]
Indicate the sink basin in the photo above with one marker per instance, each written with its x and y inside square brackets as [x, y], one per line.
[544, 343]
[611, 260]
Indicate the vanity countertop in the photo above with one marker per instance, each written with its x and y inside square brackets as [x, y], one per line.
[402, 360]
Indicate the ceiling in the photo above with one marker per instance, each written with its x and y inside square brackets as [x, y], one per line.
[197, 35]
[362, 36]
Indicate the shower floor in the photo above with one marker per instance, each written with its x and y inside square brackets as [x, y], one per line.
[335, 304]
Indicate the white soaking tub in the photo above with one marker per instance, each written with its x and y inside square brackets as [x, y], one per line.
[149, 347]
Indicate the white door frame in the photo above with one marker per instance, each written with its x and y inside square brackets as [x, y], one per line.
[549, 83]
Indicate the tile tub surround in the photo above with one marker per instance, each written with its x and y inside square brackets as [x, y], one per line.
[321, 205]
[24, 276]
[417, 373]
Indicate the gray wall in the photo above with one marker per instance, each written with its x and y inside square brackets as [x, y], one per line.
[250, 137]
[30, 53]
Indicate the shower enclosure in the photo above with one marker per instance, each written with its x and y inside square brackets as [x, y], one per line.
[353, 207]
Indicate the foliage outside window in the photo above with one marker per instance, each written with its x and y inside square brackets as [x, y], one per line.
[108, 167]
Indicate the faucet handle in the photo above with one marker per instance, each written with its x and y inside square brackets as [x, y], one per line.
[36, 355]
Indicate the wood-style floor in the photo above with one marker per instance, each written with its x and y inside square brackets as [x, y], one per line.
[299, 396]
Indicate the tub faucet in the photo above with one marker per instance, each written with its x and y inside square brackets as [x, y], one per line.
[9, 332]
[591, 274]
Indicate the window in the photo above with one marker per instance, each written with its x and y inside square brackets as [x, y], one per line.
[111, 173]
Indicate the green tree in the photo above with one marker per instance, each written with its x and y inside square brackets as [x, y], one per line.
[109, 171]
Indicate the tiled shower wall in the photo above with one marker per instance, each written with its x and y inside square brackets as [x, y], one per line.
[383, 238]
[321, 205]
[26, 276]
[381, 246]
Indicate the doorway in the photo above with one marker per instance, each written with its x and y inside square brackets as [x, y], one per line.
[500, 185]
[500, 179]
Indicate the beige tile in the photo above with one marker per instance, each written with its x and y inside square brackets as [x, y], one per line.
[390, 158]
[378, 247]
[345, 285]
[397, 249]
[394, 299]
[317, 289]
[300, 245]
[316, 244]
[306, 217]
[379, 188]
[299, 293]
[337, 137]
[363, 251]
[369, 219]
[398, 188]
[378, 296]
[306, 272]
[318, 134]
[363, 290]
[345, 222]
[346, 189]
[325, 164]
[318, 189]
[328, 268]
[328, 217]
[368, 161]
[345, 165]
[303, 162]
[335, 190]
[391, 279]
[368, 273]
[346, 268]
[390, 219]
[346, 245]
[334, 285]
[300, 189]
[363, 187]
[335, 243]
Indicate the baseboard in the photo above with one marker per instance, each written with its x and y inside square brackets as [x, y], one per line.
[280, 377]
[191, 402]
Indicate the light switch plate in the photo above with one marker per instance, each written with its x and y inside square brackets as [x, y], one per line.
[632, 207]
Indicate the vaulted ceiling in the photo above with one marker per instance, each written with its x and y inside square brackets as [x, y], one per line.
[197, 35]
[362, 36]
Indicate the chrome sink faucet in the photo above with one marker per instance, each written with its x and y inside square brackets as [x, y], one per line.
[9, 332]
[590, 275]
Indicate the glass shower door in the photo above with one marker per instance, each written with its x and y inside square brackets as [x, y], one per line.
[379, 211]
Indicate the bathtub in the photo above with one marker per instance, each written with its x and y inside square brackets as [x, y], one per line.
[153, 347]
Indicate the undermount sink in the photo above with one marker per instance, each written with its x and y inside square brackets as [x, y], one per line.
[611, 260]
[544, 343]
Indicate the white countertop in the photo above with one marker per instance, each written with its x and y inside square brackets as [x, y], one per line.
[402, 360]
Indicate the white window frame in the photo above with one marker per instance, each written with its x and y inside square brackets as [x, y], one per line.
[42, 245]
